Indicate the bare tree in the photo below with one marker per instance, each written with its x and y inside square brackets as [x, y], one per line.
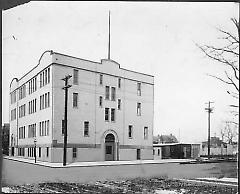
[230, 132]
[227, 55]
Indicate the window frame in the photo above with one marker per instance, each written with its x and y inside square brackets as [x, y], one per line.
[130, 129]
[75, 76]
[106, 114]
[75, 101]
[86, 129]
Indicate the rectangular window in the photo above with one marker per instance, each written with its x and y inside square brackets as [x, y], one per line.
[75, 76]
[40, 80]
[46, 76]
[49, 75]
[86, 128]
[112, 114]
[106, 114]
[107, 93]
[46, 100]
[119, 104]
[139, 89]
[40, 129]
[74, 151]
[119, 82]
[145, 133]
[130, 131]
[75, 100]
[39, 152]
[47, 130]
[35, 83]
[113, 93]
[47, 151]
[138, 109]
[43, 78]
[13, 114]
[100, 101]
[101, 79]
[63, 126]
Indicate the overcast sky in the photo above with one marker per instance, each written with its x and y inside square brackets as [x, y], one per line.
[156, 38]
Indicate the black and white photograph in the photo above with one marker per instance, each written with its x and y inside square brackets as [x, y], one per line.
[120, 97]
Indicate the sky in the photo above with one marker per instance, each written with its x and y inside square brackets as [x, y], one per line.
[157, 38]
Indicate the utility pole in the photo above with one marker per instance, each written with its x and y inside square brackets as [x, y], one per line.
[65, 118]
[209, 110]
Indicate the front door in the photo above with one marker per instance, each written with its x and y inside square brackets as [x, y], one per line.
[109, 147]
[109, 151]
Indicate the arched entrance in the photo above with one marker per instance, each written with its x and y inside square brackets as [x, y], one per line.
[109, 147]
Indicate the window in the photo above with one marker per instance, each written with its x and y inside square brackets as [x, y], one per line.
[86, 128]
[32, 130]
[47, 130]
[130, 131]
[63, 126]
[22, 132]
[112, 114]
[153, 152]
[46, 99]
[75, 76]
[106, 114]
[46, 76]
[145, 133]
[119, 82]
[39, 152]
[139, 89]
[158, 152]
[101, 79]
[40, 80]
[113, 93]
[138, 109]
[107, 93]
[43, 80]
[100, 101]
[49, 75]
[74, 151]
[119, 104]
[75, 100]
[13, 97]
[13, 114]
[47, 152]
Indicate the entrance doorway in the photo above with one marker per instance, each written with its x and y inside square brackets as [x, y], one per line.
[109, 147]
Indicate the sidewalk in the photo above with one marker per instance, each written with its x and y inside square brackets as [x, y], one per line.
[98, 163]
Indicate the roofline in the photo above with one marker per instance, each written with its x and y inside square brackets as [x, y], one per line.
[101, 63]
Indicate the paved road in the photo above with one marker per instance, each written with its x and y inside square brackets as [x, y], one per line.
[15, 172]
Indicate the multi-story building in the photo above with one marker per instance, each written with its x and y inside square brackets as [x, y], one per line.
[110, 111]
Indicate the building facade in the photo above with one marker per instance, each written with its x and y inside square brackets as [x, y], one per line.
[110, 111]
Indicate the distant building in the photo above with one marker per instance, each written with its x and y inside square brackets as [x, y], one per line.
[5, 138]
[110, 111]
[165, 139]
[218, 147]
[176, 151]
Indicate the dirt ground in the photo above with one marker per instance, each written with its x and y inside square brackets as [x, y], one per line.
[138, 185]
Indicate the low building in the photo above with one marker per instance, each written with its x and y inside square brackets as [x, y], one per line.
[5, 138]
[176, 151]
